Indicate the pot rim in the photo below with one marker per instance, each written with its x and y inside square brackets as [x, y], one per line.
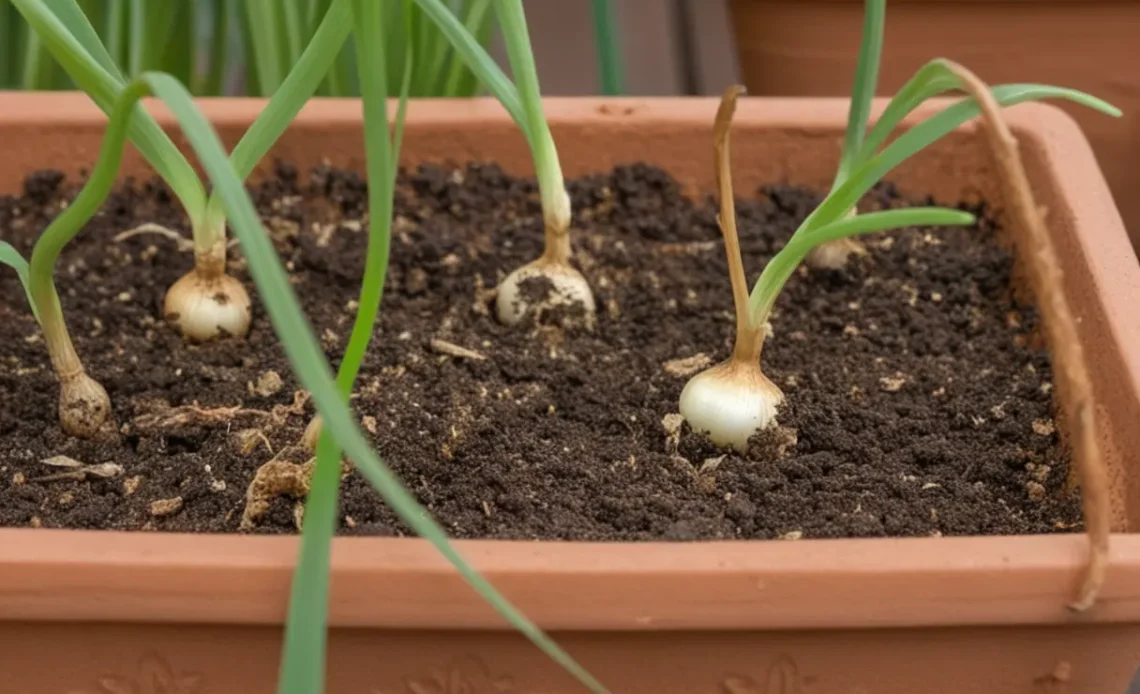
[401, 583]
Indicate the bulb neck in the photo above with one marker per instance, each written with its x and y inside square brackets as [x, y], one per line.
[210, 264]
[748, 346]
[556, 228]
[64, 359]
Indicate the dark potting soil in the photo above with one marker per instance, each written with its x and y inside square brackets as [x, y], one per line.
[918, 397]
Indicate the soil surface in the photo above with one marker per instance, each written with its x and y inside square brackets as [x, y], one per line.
[918, 397]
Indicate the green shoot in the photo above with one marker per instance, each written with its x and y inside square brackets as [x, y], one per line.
[11, 257]
[302, 665]
[301, 347]
[610, 68]
[734, 400]
[834, 254]
[84, 407]
[863, 91]
[303, 653]
[523, 100]
[206, 303]
[872, 168]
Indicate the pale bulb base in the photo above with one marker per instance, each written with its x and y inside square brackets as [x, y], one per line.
[568, 290]
[203, 309]
[833, 255]
[84, 406]
[730, 402]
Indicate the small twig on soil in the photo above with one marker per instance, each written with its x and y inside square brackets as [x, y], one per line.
[170, 417]
[453, 350]
[297, 408]
[78, 470]
[185, 245]
[1068, 356]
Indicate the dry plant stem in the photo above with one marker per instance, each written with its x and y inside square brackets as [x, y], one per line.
[1068, 357]
[84, 405]
[733, 400]
[749, 334]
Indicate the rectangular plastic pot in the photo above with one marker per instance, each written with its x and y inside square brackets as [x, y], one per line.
[147, 613]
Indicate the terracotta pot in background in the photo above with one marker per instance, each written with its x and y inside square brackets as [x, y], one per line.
[147, 613]
[809, 48]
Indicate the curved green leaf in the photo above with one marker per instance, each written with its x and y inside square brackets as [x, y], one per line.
[934, 79]
[308, 361]
[103, 88]
[778, 270]
[478, 59]
[299, 85]
[11, 257]
[921, 136]
[866, 79]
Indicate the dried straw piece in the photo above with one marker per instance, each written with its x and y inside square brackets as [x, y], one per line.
[1068, 357]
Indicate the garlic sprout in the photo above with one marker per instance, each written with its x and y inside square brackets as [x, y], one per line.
[84, 406]
[734, 399]
[566, 287]
[834, 254]
[206, 303]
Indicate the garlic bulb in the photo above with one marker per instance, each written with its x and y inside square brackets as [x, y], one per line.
[83, 405]
[568, 288]
[730, 402]
[206, 307]
[833, 255]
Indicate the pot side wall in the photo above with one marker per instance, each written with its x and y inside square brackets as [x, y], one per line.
[809, 48]
[158, 659]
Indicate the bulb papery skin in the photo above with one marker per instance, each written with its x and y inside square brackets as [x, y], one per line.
[730, 402]
[833, 255]
[84, 406]
[206, 308]
[569, 289]
[312, 434]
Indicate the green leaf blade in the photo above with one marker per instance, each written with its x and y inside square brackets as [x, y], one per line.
[11, 257]
[783, 265]
[104, 89]
[307, 358]
[926, 133]
[477, 58]
[866, 80]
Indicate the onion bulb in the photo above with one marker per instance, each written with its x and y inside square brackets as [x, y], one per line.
[568, 289]
[205, 307]
[733, 400]
[730, 402]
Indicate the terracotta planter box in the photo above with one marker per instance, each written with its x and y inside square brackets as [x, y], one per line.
[808, 48]
[146, 613]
